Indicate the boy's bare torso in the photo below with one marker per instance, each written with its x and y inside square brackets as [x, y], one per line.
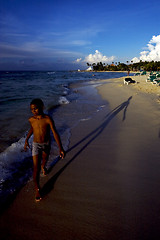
[41, 128]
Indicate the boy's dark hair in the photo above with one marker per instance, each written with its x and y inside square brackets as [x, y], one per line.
[38, 102]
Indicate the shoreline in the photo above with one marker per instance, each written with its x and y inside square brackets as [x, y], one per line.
[108, 185]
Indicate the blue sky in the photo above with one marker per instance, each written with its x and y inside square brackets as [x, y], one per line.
[64, 35]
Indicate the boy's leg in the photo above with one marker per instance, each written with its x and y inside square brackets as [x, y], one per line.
[36, 173]
[44, 160]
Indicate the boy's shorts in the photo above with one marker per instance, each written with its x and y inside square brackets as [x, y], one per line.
[38, 148]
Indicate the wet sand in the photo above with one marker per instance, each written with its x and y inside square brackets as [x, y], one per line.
[108, 186]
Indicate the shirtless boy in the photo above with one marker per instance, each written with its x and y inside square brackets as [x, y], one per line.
[41, 124]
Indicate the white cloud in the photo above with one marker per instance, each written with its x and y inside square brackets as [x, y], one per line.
[78, 60]
[135, 59]
[97, 57]
[80, 42]
[152, 52]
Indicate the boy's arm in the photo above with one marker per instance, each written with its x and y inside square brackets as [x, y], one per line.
[26, 145]
[57, 138]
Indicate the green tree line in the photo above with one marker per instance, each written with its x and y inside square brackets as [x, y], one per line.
[118, 66]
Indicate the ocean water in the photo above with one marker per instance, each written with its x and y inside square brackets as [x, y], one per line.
[66, 105]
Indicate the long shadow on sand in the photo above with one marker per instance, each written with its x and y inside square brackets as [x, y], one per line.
[92, 135]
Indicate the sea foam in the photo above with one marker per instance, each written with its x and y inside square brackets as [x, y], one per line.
[63, 100]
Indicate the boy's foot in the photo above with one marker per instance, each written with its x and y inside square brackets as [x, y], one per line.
[44, 171]
[38, 196]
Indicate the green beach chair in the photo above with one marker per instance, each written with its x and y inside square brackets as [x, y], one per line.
[143, 73]
[156, 81]
[151, 78]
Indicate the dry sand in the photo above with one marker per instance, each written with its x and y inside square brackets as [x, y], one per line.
[108, 186]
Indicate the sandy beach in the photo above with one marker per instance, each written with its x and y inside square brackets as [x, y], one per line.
[108, 186]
